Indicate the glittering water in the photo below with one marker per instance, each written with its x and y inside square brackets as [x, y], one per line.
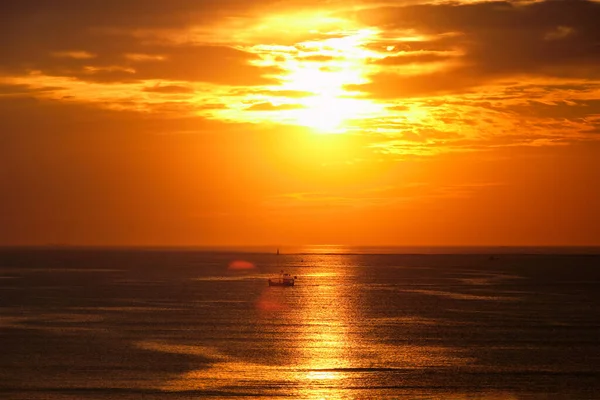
[130, 324]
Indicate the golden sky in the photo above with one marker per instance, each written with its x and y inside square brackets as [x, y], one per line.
[230, 122]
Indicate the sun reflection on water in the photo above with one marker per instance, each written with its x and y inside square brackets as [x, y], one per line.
[319, 339]
[324, 317]
[323, 375]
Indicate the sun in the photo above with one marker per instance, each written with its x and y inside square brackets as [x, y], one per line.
[330, 114]
[330, 67]
[325, 114]
[328, 107]
[314, 87]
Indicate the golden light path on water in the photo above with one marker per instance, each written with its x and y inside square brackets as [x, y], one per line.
[325, 342]
[339, 354]
[315, 341]
[313, 327]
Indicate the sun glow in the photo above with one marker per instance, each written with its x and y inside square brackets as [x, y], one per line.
[316, 75]
[323, 375]
[325, 71]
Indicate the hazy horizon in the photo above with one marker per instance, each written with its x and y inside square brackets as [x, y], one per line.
[333, 249]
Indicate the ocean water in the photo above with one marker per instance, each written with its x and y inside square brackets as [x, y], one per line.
[183, 324]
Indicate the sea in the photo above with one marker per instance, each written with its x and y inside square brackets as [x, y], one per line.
[360, 323]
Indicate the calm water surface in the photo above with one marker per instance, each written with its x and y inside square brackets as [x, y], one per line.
[131, 324]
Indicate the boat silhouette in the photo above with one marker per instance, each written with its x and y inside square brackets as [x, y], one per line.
[284, 279]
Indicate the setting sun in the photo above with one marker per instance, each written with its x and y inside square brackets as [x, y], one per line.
[313, 89]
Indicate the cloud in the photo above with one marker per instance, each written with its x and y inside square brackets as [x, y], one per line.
[28, 121]
[414, 57]
[96, 41]
[496, 39]
[576, 110]
[82, 55]
[272, 107]
[559, 33]
[169, 89]
[495, 67]
[113, 63]
[390, 85]
[22, 89]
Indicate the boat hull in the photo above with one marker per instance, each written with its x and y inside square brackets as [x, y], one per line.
[281, 283]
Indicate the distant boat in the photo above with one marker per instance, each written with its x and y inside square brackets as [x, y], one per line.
[284, 279]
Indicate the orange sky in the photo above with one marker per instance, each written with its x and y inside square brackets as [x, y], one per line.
[236, 122]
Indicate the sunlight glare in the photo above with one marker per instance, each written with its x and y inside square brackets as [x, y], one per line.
[323, 375]
[341, 64]
[321, 70]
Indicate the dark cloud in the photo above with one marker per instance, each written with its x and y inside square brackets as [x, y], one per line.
[33, 33]
[499, 39]
[200, 63]
[253, 91]
[561, 110]
[413, 57]
[12, 90]
[169, 89]
[141, 13]
[594, 130]
[120, 14]
[397, 43]
[28, 120]
[215, 64]
[389, 85]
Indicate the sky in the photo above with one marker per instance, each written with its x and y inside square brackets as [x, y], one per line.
[236, 122]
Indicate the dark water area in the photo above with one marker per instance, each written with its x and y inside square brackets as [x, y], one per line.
[179, 324]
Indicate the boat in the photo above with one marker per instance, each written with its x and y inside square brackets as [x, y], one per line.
[284, 279]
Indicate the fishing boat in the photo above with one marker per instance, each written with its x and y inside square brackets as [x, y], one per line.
[284, 279]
